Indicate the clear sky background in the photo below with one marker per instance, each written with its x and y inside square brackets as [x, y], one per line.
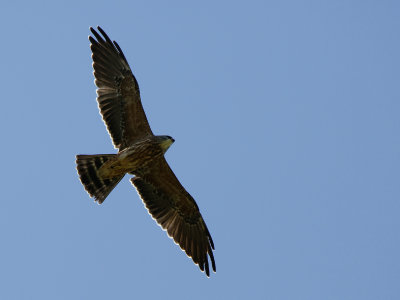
[286, 121]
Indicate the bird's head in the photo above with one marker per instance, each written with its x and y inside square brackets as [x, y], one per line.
[165, 142]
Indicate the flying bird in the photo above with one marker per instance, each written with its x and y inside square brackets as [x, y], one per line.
[141, 154]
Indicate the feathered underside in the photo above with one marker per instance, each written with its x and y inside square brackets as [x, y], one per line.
[163, 195]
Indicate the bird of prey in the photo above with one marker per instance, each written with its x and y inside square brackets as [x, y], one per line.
[140, 153]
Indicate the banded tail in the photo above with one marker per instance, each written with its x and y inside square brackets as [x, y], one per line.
[88, 167]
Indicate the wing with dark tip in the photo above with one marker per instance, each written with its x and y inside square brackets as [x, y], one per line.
[118, 92]
[176, 212]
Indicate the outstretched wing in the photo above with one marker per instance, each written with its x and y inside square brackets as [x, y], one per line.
[176, 211]
[118, 92]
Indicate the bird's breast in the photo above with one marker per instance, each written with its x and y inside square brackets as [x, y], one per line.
[138, 156]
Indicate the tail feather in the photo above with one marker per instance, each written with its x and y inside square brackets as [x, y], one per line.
[88, 167]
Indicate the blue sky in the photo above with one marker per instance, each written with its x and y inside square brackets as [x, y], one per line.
[286, 121]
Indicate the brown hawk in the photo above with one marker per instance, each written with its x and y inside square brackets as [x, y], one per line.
[141, 154]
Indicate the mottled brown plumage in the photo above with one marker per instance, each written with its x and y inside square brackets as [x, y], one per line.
[141, 154]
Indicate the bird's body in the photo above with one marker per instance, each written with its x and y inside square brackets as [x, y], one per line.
[141, 153]
[136, 157]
